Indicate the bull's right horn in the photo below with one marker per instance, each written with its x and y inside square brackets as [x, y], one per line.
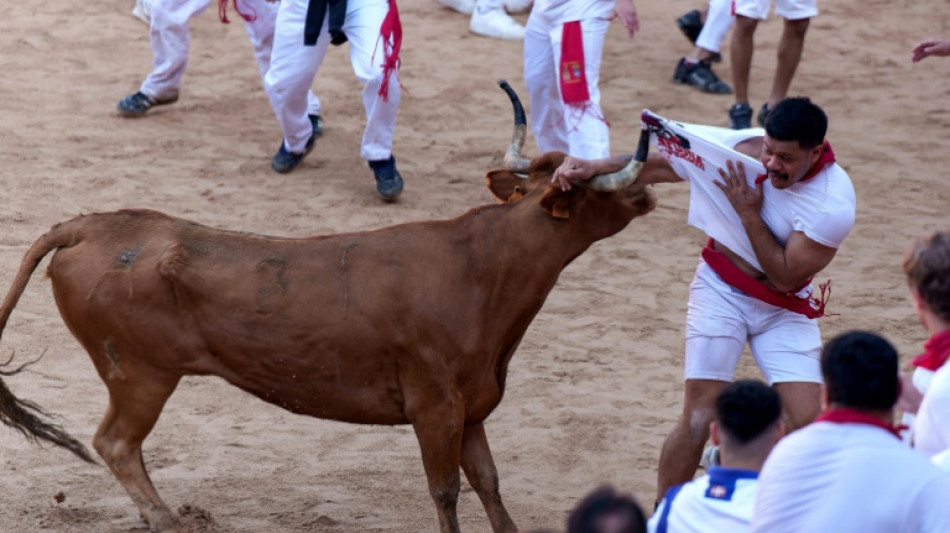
[514, 161]
[627, 175]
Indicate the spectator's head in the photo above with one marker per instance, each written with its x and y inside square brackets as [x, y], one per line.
[747, 424]
[607, 511]
[860, 371]
[927, 266]
[797, 119]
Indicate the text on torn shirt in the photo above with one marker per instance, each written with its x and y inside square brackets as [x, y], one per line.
[849, 478]
[823, 208]
[717, 502]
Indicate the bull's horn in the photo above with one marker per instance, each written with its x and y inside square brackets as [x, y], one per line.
[514, 161]
[627, 175]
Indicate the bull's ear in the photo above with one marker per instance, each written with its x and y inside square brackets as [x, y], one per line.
[557, 202]
[506, 185]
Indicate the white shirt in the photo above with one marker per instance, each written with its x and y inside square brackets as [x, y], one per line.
[721, 501]
[932, 425]
[850, 478]
[823, 208]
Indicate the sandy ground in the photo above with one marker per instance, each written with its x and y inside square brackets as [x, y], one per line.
[595, 385]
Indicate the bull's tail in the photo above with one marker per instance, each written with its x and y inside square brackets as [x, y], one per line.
[24, 415]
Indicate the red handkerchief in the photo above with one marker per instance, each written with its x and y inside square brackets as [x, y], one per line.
[573, 79]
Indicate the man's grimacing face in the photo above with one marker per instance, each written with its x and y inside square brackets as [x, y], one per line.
[786, 161]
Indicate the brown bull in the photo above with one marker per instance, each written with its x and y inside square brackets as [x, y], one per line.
[411, 324]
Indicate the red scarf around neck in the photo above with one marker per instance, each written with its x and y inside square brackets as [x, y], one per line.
[936, 352]
[844, 415]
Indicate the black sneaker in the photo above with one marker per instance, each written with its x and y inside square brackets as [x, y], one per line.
[317, 122]
[701, 76]
[136, 105]
[763, 114]
[284, 160]
[691, 24]
[740, 116]
[388, 180]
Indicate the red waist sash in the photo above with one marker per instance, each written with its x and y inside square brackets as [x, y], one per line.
[734, 276]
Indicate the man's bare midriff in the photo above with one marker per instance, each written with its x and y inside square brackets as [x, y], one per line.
[741, 263]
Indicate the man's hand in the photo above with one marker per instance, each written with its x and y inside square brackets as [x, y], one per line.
[930, 47]
[909, 399]
[627, 13]
[747, 201]
[572, 170]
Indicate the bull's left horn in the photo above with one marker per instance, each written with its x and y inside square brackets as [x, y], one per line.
[627, 175]
[514, 161]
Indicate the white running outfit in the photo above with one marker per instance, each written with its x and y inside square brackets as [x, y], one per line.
[294, 66]
[719, 502]
[849, 478]
[556, 125]
[720, 318]
[171, 41]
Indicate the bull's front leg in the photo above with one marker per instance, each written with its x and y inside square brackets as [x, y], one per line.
[438, 423]
[480, 470]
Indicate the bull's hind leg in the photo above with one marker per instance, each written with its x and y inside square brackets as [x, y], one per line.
[483, 476]
[134, 406]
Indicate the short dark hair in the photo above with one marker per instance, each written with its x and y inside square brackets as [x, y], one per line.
[927, 266]
[861, 371]
[602, 503]
[746, 408]
[797, 119]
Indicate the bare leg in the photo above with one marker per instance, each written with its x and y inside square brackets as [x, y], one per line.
[134, 407]
[743, 44]
[789, 54]
[801, 402]
[483, 476]
[684, 445]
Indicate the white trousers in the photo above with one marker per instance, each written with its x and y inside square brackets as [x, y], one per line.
[171, 41]
[556, 125]
[719, 19]
[294, 66]
[720, 320]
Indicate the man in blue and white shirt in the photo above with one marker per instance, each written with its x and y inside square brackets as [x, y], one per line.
[747, 425]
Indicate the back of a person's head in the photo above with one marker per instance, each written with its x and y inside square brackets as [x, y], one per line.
[797, 119]
[927, 266]
[746, 409]
[860, 371]
[606, 511]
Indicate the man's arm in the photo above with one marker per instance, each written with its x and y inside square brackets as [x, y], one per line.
[656, 169]
[787, 268]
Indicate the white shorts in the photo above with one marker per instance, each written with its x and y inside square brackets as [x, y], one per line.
[721, 319]
[787, 9]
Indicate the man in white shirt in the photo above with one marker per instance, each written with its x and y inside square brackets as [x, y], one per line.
[771, 231]
[927, 266]
[748, 424]
[849, 471]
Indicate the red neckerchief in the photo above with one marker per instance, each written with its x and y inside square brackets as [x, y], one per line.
[734, 276]
[936, 352]
[844, 415]
[827, 158]
[391, 34]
